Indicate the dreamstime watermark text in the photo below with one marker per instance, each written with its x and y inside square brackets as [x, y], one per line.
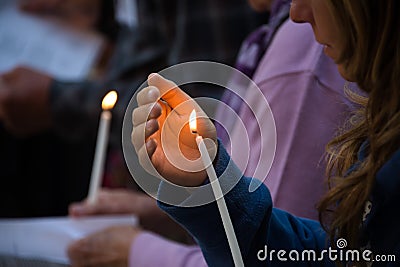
[308, 255]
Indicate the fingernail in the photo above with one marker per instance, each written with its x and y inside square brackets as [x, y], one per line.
[148, 126]
[150, 145]
[155, 111]
[153, 94]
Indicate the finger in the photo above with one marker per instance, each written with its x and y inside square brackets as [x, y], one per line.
[137, 136]
[145, 153]
[146, 112]
[148, 95]
[103, 205]
[83, 209]
[143, 131]
[151, 146]
[169, 91]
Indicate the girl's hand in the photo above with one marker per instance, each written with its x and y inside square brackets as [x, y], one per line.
[162, 137]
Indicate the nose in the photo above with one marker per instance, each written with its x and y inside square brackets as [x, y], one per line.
[301, 11]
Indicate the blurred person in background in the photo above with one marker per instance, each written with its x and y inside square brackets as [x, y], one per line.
[42, 170]
[48, 127]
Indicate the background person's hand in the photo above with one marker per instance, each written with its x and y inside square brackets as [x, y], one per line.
[114, 201]
[109, 247]
[124, 201]
[161, 132]
[24, 101]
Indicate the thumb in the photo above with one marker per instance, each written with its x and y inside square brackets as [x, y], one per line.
[82, 209]
[169, 91]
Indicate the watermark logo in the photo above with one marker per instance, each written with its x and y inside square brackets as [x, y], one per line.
[340, 254]
[341, 243]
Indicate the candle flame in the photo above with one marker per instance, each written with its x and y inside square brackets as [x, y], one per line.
[193, 121]
[109, 100]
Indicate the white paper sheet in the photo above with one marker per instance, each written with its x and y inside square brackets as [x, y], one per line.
[48, 238]
[45, 45]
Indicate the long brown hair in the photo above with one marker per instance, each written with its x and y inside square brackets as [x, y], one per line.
[371, 58]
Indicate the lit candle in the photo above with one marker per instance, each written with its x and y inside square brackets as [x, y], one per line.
[216, 187]
[101, 144]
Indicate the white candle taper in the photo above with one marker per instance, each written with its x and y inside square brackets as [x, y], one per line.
[101, 145]
[216, 187]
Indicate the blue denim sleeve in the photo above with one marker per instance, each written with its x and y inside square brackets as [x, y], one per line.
[260, 229]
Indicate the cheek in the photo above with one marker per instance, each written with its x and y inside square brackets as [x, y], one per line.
[325, 24]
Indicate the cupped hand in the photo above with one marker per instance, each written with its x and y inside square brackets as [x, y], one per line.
[109, 247]
[161, 134]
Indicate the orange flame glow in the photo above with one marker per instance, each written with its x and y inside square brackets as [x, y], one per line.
[193, 122]
[109, 100]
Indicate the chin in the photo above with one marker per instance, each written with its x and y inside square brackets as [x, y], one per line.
[344, 73]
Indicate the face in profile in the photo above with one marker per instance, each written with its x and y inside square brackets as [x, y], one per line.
[326, 31]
